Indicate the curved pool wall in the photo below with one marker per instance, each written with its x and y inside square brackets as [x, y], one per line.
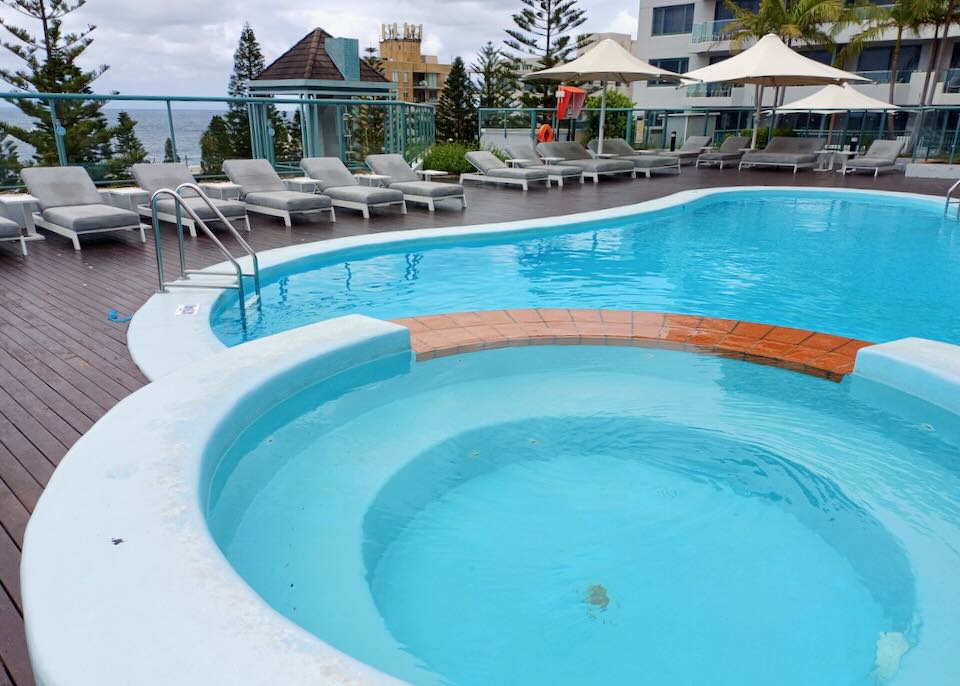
[160, 340]
[154, 601]
[149, 598]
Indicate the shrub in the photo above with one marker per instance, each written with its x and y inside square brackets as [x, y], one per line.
[763, 135]
[451, 157]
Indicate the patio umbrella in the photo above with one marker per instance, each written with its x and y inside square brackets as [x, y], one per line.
[771, 63]
[606, 61]
[835, 99]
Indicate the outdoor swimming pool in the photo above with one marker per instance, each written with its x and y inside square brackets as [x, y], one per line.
[873, 266]
[553, 515]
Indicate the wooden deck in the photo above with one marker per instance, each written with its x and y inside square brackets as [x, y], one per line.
[63, 364]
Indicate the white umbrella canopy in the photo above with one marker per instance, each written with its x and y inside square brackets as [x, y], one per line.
[772, 63]
[606, 61]
[834, 98]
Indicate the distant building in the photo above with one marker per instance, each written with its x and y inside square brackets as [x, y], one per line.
[416, 77]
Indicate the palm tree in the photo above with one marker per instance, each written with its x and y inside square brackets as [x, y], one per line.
[904, 16]
[804, 22]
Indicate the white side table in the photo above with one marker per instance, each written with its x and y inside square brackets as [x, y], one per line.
[303, 184]
[428, 174]
[224, 190]
[372, 179]
[513, 162]
[847, 154]
[21, 207]
[127, 197]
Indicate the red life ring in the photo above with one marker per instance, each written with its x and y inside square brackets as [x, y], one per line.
[545, 133]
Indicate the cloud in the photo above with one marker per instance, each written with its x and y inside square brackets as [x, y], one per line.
[185, 47]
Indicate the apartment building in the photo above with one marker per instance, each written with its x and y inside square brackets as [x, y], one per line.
[418, 77]
[685, 36]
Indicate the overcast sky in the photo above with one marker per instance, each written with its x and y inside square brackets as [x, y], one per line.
[185, 47]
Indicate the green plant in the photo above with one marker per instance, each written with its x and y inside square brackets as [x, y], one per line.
[614, 124]
[451, 157]
[456, 112]
[763, 135]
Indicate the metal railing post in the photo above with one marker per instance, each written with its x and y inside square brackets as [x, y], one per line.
[58, 132]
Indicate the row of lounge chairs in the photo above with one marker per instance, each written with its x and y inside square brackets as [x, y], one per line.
[799, 153]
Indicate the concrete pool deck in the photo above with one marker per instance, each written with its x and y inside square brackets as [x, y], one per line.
[65, 364]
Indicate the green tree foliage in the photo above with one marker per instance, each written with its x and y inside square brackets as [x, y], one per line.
[248, 62]
[50, 66]
[497, 80]
[10, 165]
[364, 127]
[457, 108]
[168, 155]
[615, 124]
[127, 148]
[544, 31]
[372, 58]
[215, 145]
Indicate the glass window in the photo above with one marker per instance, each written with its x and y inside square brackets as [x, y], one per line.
[672, 19]
[821, 55]
[875, 59]
[674, 64]
[722, 12]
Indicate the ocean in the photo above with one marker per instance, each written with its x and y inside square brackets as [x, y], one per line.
[152, 129]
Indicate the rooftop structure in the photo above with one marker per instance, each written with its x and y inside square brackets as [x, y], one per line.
[418, 77]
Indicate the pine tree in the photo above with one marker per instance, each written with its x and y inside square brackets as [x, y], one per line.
[10, 164]
[215, 146]
[248, 62]
[372, 58]
[51, 67]
[457, 108]
[543, 31]
[497, 76]
[168, 155]
[127, 148]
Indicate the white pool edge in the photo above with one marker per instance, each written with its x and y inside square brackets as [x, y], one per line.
[122, 581]
[160, 340]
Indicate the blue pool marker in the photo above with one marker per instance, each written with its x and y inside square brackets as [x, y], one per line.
[115, 316]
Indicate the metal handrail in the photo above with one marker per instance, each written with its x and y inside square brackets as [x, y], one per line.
[946, 206]
[184, 272]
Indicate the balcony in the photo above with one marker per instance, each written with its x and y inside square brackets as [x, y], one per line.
[903, 75]
[951, 81]
[711, 31]
[709, 90]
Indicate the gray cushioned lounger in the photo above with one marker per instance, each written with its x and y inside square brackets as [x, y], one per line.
[731, 150]
[573, 154]
[493, 170]
[782, 151]
[402, 178]
[264, 192]
[343, 188]
[530, 158]
[641, 162]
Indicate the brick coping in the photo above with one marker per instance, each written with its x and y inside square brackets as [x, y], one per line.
[809, 352]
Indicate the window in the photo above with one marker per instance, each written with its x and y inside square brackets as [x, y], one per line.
[818, 55]
[672, 19]
[721, 12]
[881, 59]
[674, 64]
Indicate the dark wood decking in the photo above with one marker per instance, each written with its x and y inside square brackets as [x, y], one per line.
[63, 364]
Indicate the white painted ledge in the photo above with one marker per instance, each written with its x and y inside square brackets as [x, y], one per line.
[929, 370]
[161, 341]
[122, 582]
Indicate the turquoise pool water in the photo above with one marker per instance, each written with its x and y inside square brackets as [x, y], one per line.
[557, 516]
[868, 266]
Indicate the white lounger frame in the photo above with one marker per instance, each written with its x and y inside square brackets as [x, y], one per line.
[483, 178]
[710, 163]
[596, 175]
[851, 166]
[559, 178]
[801, 165]
[365, 207]
[286, 214]
[21, 238]
[648, 171]
[42, 223]
[144, 211]
[431, 202]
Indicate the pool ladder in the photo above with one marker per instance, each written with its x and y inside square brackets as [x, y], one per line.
[203, 278]
[956, 201]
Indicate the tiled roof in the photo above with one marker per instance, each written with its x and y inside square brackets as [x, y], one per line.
[308, 59]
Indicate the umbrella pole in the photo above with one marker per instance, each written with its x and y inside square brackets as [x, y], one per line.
[603, 114]
[758, 96]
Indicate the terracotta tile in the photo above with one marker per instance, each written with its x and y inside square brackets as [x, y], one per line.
[510, 330]
[802, 354]
[411, 324]
[767, 348]
[648, 319]
[752, 330]
[714, 324]
[622, 329]
[852, 347]
[592, 328]
[525, 315]
[736, 343]
[555, 315]
[471, 347]
[825, 342]
[593, 340]
[483, 332]
[569, 339]
[457, 337]
[427, 355]
[519, 342]
[646, 330]
[495, 317]
[681, 320]
[585, 315]
[677, 334]
[539, 329]
[785, 334]
[431, 339]
[616, 316]
[705, 338]
[836, 363]
[465, 318]
[542, 340]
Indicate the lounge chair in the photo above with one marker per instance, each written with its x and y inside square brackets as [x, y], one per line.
[647, 163]
[490, 169]
[153, 177]
[799, 153]
[731, 150]
[71, 206]
[402, 178]
[10, 231]
[688, 152]
[343, 189]
[263, 191]
[880, 156]
[572, 154]
[526, 157]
